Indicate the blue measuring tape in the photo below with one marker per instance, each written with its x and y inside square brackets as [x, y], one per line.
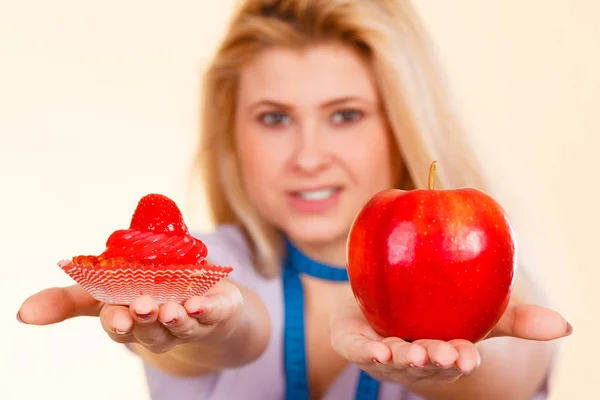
[294, 334]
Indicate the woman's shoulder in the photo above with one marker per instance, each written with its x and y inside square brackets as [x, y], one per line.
[225, 236]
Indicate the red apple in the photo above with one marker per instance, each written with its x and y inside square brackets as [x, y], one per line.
[432, 264]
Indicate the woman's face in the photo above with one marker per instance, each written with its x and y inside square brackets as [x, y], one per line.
[312, 140]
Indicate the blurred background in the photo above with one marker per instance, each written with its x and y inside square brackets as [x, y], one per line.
[98, 106]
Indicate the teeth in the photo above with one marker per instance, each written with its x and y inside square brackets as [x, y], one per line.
[317, 194]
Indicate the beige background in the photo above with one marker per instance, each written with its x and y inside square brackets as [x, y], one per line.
[98, 107]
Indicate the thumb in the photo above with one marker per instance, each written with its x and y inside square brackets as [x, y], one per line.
[58, 304]
[532, 322]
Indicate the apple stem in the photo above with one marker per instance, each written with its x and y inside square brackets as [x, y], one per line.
[431, 175]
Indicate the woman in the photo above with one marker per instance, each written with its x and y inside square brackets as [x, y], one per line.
[311, 107]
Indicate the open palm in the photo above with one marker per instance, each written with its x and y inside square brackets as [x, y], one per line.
[409, 362]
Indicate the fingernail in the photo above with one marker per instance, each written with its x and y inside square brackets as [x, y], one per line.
[144, 317]
[169, 323]
[569, 329]
[119, 332]
[196, 314]
[19, 317]
[376, 361]
[412, 365]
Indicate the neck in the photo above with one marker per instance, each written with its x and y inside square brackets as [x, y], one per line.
[330, 253]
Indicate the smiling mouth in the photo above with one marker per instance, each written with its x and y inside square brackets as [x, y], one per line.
[317, 195]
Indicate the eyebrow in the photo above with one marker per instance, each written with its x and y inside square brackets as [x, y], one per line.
[330, 103]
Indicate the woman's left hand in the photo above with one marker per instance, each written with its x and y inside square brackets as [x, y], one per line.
[408, 362]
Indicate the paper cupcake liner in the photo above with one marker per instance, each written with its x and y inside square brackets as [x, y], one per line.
[122, 284]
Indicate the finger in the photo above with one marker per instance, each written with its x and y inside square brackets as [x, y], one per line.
[532, 322]
[117, 323]
[352, 337]
[144, 309]
[468, 356]
[146, 330]
[407, 355]
[441, 354]
[359, 350]
[55, 305]
[177, 321]
[220, 304]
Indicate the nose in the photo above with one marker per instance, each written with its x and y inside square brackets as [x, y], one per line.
[311, 154]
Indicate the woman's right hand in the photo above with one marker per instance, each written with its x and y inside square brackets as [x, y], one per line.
[209, 318]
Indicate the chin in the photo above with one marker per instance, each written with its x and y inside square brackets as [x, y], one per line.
[317, 232]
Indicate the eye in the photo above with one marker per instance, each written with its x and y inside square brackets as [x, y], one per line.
[275, 119]
[346, 116]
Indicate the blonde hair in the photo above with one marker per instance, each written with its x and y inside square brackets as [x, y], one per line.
[390, 34]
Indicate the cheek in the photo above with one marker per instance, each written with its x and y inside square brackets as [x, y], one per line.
[377, 173]
[249, 153]
[259, 164]
[370, 161]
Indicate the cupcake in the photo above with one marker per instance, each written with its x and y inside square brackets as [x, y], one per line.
[156, 256]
